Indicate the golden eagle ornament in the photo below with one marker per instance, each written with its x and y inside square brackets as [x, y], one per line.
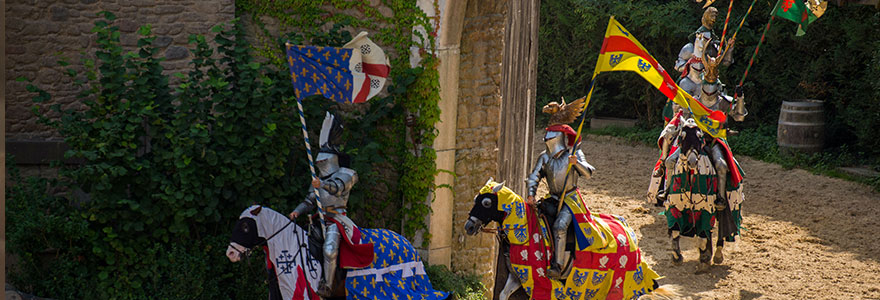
[563, 113]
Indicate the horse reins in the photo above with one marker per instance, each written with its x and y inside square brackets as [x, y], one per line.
[264, 242]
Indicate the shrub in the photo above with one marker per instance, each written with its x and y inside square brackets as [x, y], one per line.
[167, 169]
[461, 285]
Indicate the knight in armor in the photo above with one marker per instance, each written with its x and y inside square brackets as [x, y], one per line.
[334, 185]
[690, 64]
[551, 165]
[713, 97]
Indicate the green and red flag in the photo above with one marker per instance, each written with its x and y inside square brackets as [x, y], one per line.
[795, 11]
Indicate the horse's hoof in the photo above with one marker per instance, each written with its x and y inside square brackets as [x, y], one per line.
[719, 257]
[677, 259]
[703, 268]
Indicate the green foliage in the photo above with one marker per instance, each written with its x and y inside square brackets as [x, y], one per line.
[45, 236]
[405, 147]
[166, 169]
[647, 136]
[166, 172]
[571, 34]
[463, 286]
[832, 62]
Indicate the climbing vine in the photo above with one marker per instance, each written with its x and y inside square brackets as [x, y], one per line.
[413, 92]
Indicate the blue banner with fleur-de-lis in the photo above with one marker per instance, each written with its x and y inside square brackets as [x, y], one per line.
[397, 273]
[327, 71]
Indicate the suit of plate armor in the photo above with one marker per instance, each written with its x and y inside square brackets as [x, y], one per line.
[712, 96]
[551, 165]
[690, 64]
[336, 184]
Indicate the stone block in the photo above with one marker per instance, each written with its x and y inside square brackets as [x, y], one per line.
[162, 41]
[14, 49]
[176, 52]
[58, 13]
[128, 25]
[171, 9]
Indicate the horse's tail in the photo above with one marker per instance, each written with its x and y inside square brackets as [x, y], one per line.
[666, 291]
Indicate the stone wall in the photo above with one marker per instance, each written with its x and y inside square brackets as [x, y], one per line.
[38, 32]
[479, 106]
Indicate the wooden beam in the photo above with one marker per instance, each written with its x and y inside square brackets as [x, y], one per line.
[519, 74]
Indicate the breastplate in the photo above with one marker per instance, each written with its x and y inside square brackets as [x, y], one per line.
[554, 171]
[331, 201]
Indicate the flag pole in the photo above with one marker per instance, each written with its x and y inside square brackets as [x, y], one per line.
[577, 139]
[583, 116]
[302, 119]
[752, 60]
[726, 20]
[743, 20]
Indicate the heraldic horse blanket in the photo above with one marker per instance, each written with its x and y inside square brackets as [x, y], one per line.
[394, 271]
[607, 264]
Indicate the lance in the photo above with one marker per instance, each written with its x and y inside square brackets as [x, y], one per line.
[741, 22]
[726, 20]
[752, 60]
[576, 140]
[302, 119]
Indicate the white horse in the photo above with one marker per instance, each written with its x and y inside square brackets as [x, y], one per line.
[396, 270]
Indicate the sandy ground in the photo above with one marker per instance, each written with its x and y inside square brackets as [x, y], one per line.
[805, 236]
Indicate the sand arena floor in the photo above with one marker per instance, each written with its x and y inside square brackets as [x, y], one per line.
[805, 236]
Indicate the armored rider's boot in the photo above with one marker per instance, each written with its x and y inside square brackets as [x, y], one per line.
[331, 251]
[555, 271]
[721, 196]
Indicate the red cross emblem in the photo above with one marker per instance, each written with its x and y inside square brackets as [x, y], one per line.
[786, 4]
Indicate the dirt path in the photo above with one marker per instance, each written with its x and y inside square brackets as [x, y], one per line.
[805, 237]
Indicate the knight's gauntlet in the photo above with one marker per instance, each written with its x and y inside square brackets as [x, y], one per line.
[739, 110]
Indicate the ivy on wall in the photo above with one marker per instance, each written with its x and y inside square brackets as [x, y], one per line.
[165, 168]
[413, 96]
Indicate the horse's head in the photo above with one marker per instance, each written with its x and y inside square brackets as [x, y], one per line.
[690, 142]
[244, 234]
[486, 208]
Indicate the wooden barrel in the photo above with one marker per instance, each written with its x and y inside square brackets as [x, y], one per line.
[801, 126]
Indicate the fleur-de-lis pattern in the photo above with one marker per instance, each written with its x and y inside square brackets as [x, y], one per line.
[391, 249]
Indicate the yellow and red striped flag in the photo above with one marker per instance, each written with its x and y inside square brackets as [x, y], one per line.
[622, 52]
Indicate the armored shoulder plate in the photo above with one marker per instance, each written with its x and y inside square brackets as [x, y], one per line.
[347, 176]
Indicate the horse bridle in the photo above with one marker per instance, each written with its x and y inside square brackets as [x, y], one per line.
[247, 251]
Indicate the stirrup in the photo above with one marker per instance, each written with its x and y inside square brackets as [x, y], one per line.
[555, 271]
[720, 203]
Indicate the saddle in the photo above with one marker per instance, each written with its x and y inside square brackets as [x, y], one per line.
[547, 211]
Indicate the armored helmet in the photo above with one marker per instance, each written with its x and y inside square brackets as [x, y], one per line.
[555, 141]
[328, 159]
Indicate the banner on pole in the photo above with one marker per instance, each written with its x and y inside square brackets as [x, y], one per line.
[622, 52]
[353, 73]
